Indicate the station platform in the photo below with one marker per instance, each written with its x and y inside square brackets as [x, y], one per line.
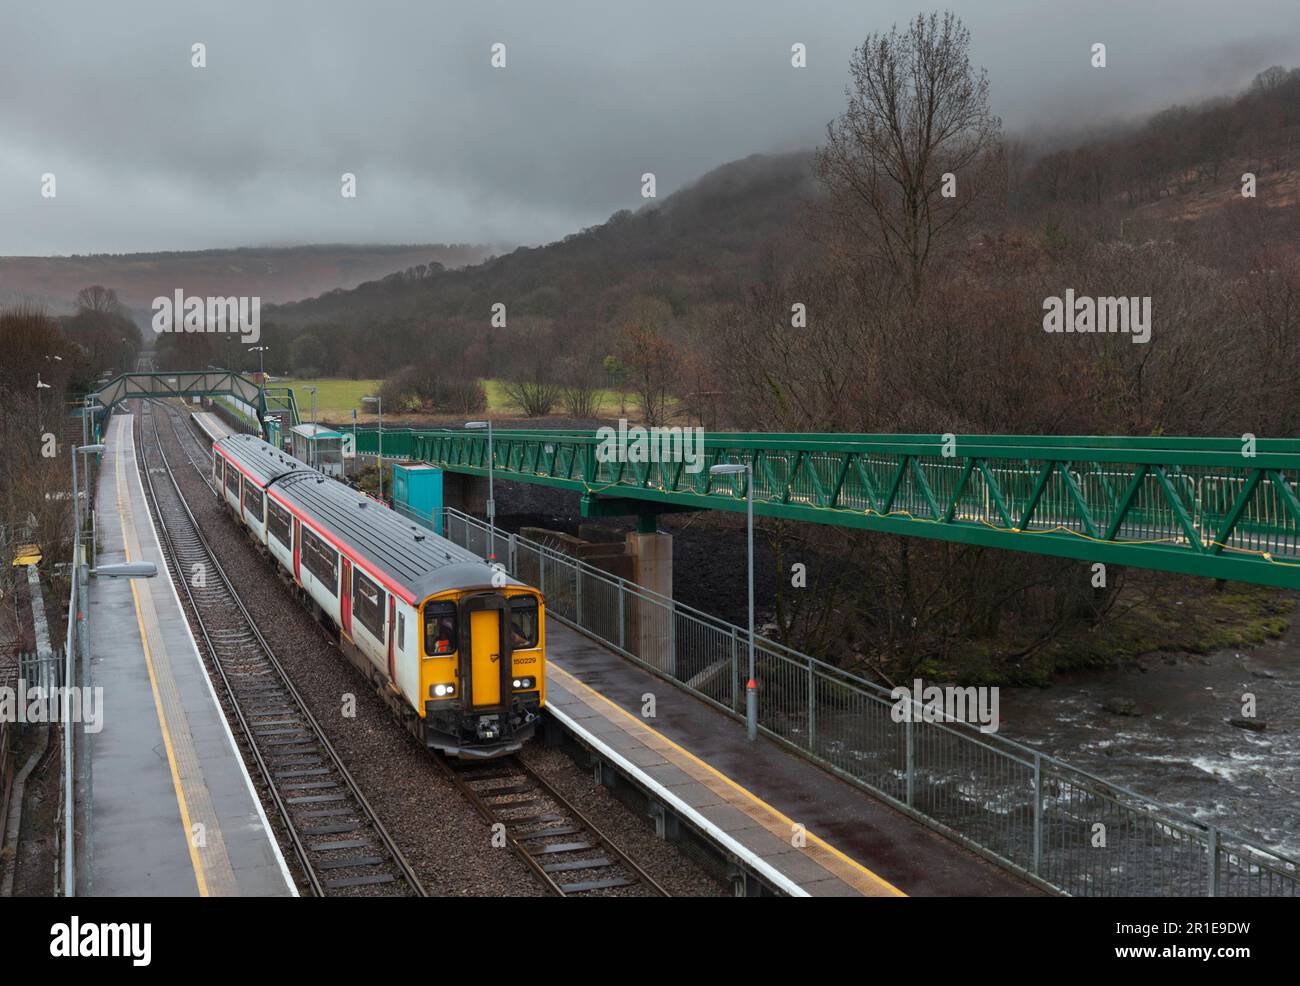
[210, 423]
[753, 800]
[165, 804]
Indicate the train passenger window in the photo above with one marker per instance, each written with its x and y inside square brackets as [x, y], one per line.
[253, 500]
[440, 629]
[232, 479]
[321, 560]
[401, 631]
[277, 522]
[523, 622]
[368, 603]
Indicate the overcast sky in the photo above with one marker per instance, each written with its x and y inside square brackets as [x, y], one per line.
[151, 154]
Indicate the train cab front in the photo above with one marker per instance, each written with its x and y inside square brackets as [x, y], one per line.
[484, 665]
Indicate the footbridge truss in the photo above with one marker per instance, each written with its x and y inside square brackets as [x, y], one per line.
[1215, 507]
[182, 383]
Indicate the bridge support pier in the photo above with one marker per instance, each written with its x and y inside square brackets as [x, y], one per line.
[650, 629]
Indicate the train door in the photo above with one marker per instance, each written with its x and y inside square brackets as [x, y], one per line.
[489, 648]
[345, 598]
[392, 627]
[297, 550]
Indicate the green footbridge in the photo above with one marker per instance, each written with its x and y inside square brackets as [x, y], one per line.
[271, 405]
[1223, 508]
[1215, 507]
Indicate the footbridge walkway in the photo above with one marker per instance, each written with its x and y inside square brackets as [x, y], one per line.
[1216, 507]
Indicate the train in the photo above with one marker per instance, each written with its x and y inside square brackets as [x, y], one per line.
[454, 646]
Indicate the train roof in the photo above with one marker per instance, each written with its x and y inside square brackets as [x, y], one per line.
[264, 462]
[412, 557]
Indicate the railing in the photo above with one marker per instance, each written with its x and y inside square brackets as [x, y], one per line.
[1066, 828]
[6, 776]
[399, 443]
[65, 839]
[45, 671]
[1202, 506]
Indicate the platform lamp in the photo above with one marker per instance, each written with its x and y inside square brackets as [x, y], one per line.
[125, 570]
[751, 684]
[40, 416]
[379, 403]
[261, 361]
[491, 500]
[115, 570]
[311, 442]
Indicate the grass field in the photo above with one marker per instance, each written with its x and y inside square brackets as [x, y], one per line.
[335, 399]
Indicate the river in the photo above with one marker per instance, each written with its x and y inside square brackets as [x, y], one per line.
[1180, 747]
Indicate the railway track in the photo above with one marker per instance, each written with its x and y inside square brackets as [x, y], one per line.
[342, 846]
[564, 848]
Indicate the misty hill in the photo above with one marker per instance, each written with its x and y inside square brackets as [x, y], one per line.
[274, 274]
[696, 246]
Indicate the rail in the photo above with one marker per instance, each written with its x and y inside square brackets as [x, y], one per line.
[1065, 828]
[251, 676]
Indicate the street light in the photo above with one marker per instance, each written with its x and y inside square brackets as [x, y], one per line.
[380, 402]
[40, 413]
[491, 500]
[751, 685]
[128, 570]
[76, 488]
[311, 444]
[261, 363]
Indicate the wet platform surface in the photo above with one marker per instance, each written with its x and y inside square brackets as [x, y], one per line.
[166, 806]
[212, 424]
[756, 793]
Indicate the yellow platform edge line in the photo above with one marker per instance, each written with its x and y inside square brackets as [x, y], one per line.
[181, 803]
[880, 881]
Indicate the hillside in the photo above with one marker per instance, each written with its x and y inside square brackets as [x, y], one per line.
[274, 274]
[691, 248]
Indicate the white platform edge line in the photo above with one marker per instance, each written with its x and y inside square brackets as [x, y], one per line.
[221, 715]
[764, 868]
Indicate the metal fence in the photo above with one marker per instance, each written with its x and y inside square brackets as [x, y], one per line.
[45, 670]
[1064, 827]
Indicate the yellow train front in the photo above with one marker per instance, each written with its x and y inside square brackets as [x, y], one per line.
[484, 650]
[456, 647]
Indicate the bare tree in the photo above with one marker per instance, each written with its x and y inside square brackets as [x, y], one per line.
[580, 384]
[101, 300]
[917, 111]
[653, 365]
[532, 390]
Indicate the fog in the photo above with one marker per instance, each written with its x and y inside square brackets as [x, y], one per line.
[150, 153]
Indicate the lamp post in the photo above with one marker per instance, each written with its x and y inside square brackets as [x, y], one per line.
[379, 401]
[261, 361]
[491, 500]
[40, 410]
[751, 685]
[311, 443]
[116, 570]
[78, 568]
[76, 490]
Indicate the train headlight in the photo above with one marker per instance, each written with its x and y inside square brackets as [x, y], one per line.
[523, 684]
[443, 691]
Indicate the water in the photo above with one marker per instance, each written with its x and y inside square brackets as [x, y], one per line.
[1181, 750]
